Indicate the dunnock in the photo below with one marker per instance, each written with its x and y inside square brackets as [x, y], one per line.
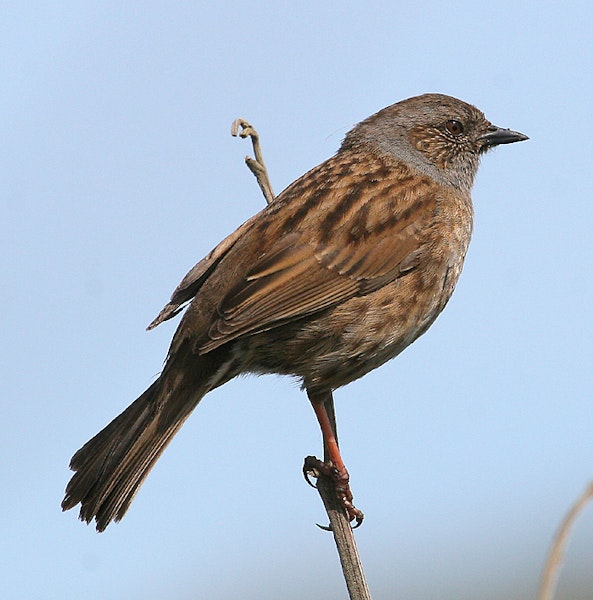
[348, 266]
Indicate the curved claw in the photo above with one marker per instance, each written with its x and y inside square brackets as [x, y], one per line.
[355, 526]
[356, 515]
[306, 476]
[312, 465]
[359, 519]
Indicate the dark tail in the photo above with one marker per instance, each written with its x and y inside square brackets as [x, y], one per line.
[111, 467]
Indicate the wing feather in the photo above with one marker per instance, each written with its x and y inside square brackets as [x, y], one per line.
[335, 233]
[299, 279]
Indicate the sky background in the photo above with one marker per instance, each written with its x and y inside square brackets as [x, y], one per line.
[118, 174]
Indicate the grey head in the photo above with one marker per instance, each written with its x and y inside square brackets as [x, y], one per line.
[438, 135]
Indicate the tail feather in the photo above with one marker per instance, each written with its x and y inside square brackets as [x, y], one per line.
[111, 467]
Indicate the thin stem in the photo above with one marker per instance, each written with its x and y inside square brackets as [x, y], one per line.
[556, 555]
[340, 525]
[257, 166]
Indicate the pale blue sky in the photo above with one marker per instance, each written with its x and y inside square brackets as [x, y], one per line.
[119, 173]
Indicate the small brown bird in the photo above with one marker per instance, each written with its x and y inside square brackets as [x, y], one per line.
[347, 267]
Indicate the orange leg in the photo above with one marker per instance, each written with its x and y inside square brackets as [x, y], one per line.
[333, 466]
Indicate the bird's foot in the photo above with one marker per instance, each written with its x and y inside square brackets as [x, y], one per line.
[341, 482]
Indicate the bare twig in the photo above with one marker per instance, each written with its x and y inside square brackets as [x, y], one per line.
[339, 524]
[257, 166]
[555, 557]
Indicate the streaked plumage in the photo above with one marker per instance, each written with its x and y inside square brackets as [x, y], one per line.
[347, 267]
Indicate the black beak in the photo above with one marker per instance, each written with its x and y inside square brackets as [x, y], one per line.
[497, 135]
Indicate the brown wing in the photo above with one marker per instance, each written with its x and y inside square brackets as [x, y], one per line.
[345, 228]
[298, 278]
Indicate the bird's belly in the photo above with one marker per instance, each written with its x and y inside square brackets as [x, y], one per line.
[341, 344]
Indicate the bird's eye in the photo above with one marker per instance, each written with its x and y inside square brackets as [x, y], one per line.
[454, 127]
